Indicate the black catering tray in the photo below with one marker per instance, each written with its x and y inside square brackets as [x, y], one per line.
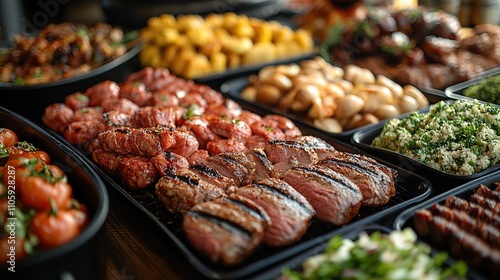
[405, 219]
[410, 189]
[232, 89]
[457, 91]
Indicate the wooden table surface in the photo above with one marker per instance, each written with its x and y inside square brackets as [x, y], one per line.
[137, 249]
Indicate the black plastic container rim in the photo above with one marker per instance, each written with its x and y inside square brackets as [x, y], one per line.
[97, 220]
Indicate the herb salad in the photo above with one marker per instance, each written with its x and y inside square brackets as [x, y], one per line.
[460, 138]
[396, 255]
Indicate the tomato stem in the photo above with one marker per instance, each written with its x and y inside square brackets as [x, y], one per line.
[53, 208]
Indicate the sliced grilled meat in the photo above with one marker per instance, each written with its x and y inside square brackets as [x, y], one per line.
[280, 150]
[287, 164]
[322, 148]
[289, 211]
[214, 177]
[198, 157]
[199, 127]
[226, 230]
[102, 91]
[235, 166]
[335, 198]
[183, 189]
[167, 162]
[137, 141]
[264, 168]
[135, 92]
[376, 186]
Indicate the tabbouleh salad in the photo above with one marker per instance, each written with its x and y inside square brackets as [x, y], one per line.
[460, 138]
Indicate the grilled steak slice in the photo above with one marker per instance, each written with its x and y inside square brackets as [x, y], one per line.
[289, 211]
[137, 141]
[198, 157]
[183, 189]
[280, 150]
[322, 148]
[226, 230]
[287, 164]
[213, 177]
[235, 166]
[137, 172]
[335, 198]
[167, 162]
[376, 186]
[264, 168]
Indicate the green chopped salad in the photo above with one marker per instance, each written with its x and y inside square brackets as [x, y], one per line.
[461, 138]
[396, 255]
[487, 90]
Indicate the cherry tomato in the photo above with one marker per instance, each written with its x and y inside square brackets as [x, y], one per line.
[41, 155]
[56, 171]
[54, 229]
[81, 218]
[5, 246]
[37, 193]
[8, 137]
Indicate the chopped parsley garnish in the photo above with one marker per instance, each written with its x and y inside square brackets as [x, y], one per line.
[190, 112]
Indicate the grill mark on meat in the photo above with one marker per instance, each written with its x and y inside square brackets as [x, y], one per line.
[485, 192]
[473, 209]
[214, 177]
[486, 203]
[355, 165]
[219, 221]
[186, 179]
[330, 179]
[286, 196]
[483, 230]
[279, 150]
[206, 170]
[255, 212]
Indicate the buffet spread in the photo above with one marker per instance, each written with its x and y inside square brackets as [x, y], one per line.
[363, 141]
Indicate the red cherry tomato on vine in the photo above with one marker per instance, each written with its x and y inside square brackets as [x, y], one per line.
[8, 137]
[41, 155]
[37, 193]
[54, 229]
